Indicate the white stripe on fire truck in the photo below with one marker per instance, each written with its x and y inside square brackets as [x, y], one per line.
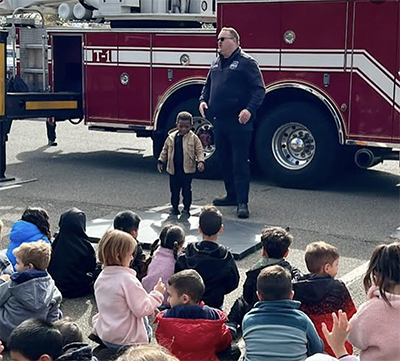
[332, 60]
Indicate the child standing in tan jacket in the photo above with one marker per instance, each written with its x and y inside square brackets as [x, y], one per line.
[183, 153]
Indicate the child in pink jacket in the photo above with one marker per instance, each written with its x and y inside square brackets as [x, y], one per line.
[163, 263]
[375, 328]
[122, 301]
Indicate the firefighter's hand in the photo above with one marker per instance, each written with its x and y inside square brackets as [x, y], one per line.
[160, 286]
[160, 167]
[200, 167]
[202, 107]
[244, 116]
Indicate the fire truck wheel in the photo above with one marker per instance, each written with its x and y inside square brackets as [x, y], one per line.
[297, 145]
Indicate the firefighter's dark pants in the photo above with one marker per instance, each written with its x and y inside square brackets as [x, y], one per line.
[51, 130]
[177, 182]
[233, 141]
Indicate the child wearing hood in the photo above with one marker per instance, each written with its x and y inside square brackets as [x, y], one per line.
[74, 275]
[30, 292]
[213, 261]
[33, 226]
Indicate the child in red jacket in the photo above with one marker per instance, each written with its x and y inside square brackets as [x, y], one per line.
[190, 330]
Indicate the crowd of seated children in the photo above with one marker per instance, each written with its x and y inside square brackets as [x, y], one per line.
[194, 328]
[319, 292]
[213, 261]
[163, 261]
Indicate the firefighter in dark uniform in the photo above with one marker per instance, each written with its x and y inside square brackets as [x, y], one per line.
[233, 92]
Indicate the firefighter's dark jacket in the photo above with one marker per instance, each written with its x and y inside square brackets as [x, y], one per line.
[233, 84]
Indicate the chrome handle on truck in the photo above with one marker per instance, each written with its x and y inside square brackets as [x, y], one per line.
[124, 78]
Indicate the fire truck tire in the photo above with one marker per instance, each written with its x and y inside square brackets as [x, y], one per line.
[203, 128]
[297, 145]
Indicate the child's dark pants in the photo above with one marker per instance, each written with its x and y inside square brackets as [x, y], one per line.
[177, 182]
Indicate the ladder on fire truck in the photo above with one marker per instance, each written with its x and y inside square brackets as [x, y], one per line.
[28, 105]
[32, 50]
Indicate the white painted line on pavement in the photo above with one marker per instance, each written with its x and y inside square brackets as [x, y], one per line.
[10, 187]
[355, 274]
[160, 208]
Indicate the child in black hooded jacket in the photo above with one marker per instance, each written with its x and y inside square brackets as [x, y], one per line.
[213, 261]
[73, 263]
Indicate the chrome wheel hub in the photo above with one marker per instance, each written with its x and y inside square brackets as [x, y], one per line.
[205, 131]
[293, 146]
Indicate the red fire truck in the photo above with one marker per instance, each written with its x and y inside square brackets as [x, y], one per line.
[331, 69]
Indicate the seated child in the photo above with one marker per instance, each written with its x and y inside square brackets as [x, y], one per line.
[31, 292]
[128, 221]
[74, 275]
[190, 330]
[74, 348]
[275, 328]
[122, 301]
[164, 259]
[70, 331]
[275, 248]
[35, 340]
[147, 353]
[213, 261]
[319, 292]
[375, 327]
[6, 268]
[33, 226]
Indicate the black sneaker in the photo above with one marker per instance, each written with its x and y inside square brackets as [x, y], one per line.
[174, 212]
[52, 143]
[242, 211]
[225, 201]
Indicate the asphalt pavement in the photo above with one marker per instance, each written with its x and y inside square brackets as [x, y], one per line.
[102, 173]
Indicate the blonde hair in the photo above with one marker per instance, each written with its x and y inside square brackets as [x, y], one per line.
[114, 246]
[145, 352]
[35, 253]
[318, 254]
